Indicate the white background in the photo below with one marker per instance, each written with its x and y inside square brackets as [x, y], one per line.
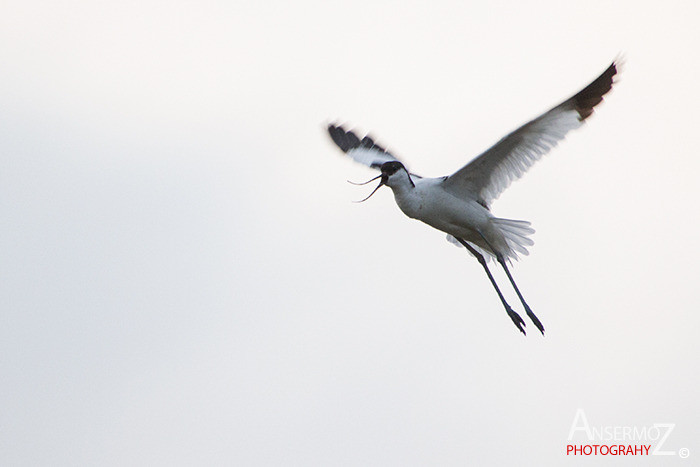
[184, 280]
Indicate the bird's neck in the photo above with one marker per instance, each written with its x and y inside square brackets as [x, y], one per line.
[402, 188]
[401, 184]
[401, 181]
[407, 198]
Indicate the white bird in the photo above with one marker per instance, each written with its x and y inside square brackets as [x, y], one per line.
[459, 204]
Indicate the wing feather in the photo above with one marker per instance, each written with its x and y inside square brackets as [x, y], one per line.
[365, 150]
[493, 171]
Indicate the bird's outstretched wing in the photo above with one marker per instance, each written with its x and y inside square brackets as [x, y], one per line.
[490, 173]
[364, 151]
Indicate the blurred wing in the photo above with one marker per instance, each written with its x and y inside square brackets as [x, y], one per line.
[365, 150]
[493, 171]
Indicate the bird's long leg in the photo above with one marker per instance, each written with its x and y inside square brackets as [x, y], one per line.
[517, 320]
[530, 314]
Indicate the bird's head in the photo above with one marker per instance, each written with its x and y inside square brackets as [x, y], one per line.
[393, 175]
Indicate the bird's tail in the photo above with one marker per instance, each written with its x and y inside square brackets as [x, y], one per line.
[516, 235]
[514, 239]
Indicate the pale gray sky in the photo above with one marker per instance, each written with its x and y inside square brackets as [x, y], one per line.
[185, 281]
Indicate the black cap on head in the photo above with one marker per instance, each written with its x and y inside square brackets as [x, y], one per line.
[391, 167]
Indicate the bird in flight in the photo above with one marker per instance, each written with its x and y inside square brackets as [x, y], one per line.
[459, 204]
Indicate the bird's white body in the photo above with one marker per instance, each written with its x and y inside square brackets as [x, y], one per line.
[459, 204]
[426, 200]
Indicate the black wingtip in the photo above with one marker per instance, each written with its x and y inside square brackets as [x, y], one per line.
[592, 95]
[347, 140]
